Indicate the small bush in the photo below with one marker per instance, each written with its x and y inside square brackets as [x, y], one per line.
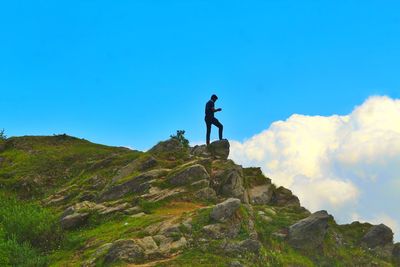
[180, 136]
[2, 135]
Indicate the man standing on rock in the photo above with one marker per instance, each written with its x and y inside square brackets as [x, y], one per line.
[210, 119]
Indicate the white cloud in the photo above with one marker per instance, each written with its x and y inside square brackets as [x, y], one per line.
[346, 164]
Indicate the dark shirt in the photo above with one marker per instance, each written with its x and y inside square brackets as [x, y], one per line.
[210, 110]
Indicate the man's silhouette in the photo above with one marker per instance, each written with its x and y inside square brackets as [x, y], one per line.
[210, 119]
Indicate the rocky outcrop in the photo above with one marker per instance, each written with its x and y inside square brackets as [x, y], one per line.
[396, 253]
[225, 210]
[219, 149]
[188, 175]
[378, 236]
[284, 197]
[137, 185]
[125, 250]
[261, 194]
[309, 233]
[170, 149]
[227, 179]
[138, 251]
[200, 151]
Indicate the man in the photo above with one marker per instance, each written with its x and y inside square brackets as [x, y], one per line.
[210, 119]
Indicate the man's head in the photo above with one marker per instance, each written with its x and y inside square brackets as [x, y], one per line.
[214, 98]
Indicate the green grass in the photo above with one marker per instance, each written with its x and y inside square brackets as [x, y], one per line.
[28, 232]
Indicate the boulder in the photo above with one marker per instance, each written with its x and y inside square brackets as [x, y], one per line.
[261, 195]
[284, 197]
[126, 251]
[378, 236]
[206, 194]
[189, 175]
[73, 221]
[225, 210]
[170, 149]
[200, 151]
[137, 185]
[396, 253]
[250, 245]
[219, 149]
[227, 179]
[309, 233]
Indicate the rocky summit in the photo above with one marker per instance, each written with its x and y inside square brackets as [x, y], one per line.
[69, 202]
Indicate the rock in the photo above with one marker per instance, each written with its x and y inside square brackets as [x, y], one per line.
[137, 185]
[126, 251]
[200, 151]
[118, 208]
[148, 164]
[378, 236]
[200, 184]
[309, 233]
[235, 264]
[138, 215]
[133, 210]
[189, 175]
[214, 231]
[227, 179]
[243, 247]
[206, 194]
[73, 221]
[219, 149]
[284, 197]
[261, 195]
[250, 245]
[169, 149]
[225, 210]
[396, 253]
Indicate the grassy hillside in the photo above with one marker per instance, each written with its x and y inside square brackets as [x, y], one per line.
[69, 202]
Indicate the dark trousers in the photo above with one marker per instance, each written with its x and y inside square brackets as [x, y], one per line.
[216, 122]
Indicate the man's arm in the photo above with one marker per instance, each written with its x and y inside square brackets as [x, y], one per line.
[216, 110]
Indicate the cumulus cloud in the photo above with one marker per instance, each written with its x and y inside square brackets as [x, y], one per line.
[345, 164]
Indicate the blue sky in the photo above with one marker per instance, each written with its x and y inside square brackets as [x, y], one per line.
[131, 73]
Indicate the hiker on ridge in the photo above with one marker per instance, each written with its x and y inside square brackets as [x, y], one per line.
[210, 119]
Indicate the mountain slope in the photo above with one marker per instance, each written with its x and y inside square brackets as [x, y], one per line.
[176, 206]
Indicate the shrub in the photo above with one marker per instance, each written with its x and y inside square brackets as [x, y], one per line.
[180, 136]
[2, 135]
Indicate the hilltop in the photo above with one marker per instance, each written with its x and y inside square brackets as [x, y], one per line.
[85, 204]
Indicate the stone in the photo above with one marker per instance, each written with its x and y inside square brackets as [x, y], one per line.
[118, 208]
[309, 233]
[126, 251]
[235, 264]
[225, 210]
[396, 253]
[189, 175]
[74, 221]
[378, 236]
[250, 245]
[149, 163]
[169, 149]
[206, 194]
[200, 151]
[219, 149]
[137, 185]
[214, 231]
[284, 197]
[260, 195]
[201, 184]
[227, 179]
[133, 210]
[138, 215]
